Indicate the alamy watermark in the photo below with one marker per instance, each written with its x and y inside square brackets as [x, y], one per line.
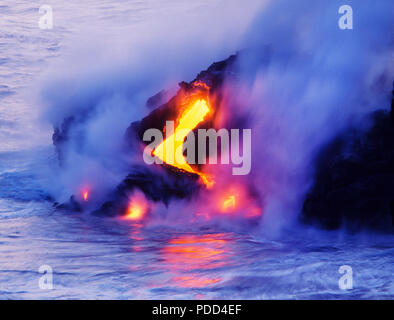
[231, 143]
[346, 281]
[46, 280]
[345, 22]
[45, 21]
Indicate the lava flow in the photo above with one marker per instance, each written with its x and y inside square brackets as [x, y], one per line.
[138, 207]
[85, 195]
[170, 150]
[238, 199]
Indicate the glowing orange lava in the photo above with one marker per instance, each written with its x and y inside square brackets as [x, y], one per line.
[85, 195]
[229, 203]
[237, 199]
[138, 207]
[170, 150]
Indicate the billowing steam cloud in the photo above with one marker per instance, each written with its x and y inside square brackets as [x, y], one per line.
[106, 77]
[304, 80]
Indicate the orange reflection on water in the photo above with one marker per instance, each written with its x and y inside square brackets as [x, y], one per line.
[195, 282]
[136, 236]
[188, 257]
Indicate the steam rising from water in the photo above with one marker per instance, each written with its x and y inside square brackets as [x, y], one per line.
[303, 81]
[317, 80]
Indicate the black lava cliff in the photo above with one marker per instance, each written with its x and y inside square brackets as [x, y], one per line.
[354, 182]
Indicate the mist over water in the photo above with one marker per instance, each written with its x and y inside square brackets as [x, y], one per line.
[304, 80]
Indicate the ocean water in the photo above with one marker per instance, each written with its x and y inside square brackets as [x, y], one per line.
[102, 258]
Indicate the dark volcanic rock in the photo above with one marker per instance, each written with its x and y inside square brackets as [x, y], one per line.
[155, 187]
[173, 183]
[213, 77]
[60, 136]
[163, 109]
[354, 182]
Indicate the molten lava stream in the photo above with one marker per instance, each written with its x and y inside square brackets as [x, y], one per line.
[170, 150]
